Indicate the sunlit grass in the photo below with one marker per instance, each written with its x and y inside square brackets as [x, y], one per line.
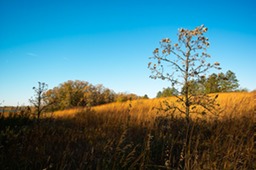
[233, 104]
[131, 135]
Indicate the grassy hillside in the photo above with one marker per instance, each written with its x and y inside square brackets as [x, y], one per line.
[132, 135]
[231, 105]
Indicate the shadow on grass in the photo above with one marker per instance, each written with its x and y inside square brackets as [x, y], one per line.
[92, 141]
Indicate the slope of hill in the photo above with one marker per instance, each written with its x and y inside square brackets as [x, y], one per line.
[132, 135]
[231, 104]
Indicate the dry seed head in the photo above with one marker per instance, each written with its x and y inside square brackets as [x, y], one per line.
[205, 29]
[216, 63]
[166, 40]
[156, 50]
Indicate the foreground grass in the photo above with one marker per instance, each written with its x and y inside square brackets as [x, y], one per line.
[131, 135]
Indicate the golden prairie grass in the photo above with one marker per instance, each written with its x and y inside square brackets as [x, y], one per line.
[132, 135]
[65, 113]
[233, 104]
[237, 103]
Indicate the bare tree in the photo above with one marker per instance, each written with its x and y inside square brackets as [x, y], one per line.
[38, 101]
[182, 62]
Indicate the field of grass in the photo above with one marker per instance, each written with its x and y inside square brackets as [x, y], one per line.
[236, 104]
[132, 135]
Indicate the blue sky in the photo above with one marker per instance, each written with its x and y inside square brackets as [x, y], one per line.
[110, 42]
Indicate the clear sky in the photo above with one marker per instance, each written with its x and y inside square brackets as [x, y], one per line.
[110, 42]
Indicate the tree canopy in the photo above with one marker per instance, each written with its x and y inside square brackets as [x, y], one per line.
[214, 83]
[167, 92]
[83, 94]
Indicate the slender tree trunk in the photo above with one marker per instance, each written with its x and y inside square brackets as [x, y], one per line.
[39, 104]
[187, 104]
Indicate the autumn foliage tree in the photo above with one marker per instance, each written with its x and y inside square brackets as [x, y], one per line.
[78, 93]
[181, 63]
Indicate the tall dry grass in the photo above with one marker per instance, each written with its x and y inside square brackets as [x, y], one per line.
[235, 104]
[229, 101]
[132, 135]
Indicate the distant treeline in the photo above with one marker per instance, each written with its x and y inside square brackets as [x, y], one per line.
[80, 94]
[8, 109]
[14, 109]
[214, 83]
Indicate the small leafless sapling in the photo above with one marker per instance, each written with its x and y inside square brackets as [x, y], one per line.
[183, 62]
[38, 101]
